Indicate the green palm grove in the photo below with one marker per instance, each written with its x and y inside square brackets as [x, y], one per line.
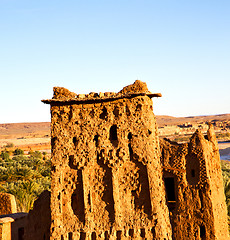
[24, 176]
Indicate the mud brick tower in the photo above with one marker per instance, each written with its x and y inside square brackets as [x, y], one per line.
[107, 180]
[194, 188]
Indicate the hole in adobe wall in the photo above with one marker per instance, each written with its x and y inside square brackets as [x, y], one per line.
[75, 141]
[170, 188]
[106, 234]
[71, 162]
[143, 233]
[138, 107]
[153, 231]
[93, 236]
[104, 113]
[130, 136]
[119, 235]
[149, 132]
[130, 150]
[59, 196]
[82, 235]
[62, 237]
[131, 232]
[70, 236]
[96, 140]
[113, 133]
[116, 111]
[202, 232]
[201, 199]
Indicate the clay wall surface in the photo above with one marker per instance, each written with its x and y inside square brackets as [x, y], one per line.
[194, 188]
[37, 222]
[106, 173]
[7, 204]
[5, 231]
[12, 225]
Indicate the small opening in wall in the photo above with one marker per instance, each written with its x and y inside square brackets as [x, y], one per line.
[153, 232]
[131, 232]
[201, 199]
[21, 233]
[118, 235]
[130, 150]
[59, 196]
[104, 113]
[93, 236]
[75, 141]
[82, 235]
[138, 108]
[116, 111]
[202, 232]
[143, 233]
[71, 162]
[96, 140]
[113, 133]
[130, 136]
[193, 173]
[170, 189]
[70, 236]
[106, 234]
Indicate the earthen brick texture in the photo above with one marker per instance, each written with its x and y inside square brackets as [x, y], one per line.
[113, 179]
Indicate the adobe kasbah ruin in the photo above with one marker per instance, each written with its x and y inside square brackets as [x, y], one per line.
[113, 179]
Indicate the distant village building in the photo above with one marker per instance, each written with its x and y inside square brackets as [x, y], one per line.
[113, 179]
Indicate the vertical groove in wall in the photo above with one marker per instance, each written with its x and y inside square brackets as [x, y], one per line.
[77, 199]
[108, 193]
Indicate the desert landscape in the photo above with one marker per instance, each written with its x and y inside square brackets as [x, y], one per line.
[36, 136]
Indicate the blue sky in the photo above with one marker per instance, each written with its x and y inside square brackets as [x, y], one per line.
[179, 48]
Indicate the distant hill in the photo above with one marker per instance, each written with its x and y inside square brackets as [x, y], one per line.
[37, 134]
[17, 130]
[169, 120]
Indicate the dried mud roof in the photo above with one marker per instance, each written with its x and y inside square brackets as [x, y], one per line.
[64, 96]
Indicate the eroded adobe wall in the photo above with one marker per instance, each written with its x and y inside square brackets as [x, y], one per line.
[38, 220]
[194, 187]
[106, 174]
[7, 204]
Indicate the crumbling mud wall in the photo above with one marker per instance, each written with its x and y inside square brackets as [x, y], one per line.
[194, 188]
[106, 171]
[37, 222]
[7, 204]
